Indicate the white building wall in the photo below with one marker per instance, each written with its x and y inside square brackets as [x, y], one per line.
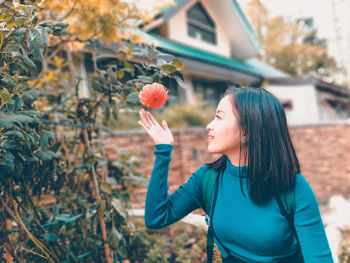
[305, 109]
[177, 30]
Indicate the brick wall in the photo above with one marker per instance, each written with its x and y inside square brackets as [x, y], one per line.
[323, 152]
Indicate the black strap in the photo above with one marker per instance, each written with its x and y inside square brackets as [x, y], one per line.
[211, 221]
[289, 217]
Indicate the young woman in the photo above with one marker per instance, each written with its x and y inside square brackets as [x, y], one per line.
[258, 163]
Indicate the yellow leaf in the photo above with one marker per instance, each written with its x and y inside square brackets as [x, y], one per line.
[19, 22]
[5, 17]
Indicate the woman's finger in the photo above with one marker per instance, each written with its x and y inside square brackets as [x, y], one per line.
[143, 117]
[148, 118]
[151, 118]
[142, 125]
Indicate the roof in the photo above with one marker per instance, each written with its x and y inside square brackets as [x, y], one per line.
[231, 14]
[251, 66]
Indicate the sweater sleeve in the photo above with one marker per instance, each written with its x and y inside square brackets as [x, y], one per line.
[309, 226]
[162, 209]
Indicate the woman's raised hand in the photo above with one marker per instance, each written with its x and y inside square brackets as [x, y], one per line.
[159, 134]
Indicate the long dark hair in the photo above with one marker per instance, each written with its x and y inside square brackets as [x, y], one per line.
[268, 150]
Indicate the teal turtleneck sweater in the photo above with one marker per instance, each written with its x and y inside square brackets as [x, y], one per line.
[252, 233]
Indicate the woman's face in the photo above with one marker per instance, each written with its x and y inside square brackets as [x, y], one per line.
[224, 132]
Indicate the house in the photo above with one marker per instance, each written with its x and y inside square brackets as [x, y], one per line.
[309, 101]
[216, 43]
[219, 49]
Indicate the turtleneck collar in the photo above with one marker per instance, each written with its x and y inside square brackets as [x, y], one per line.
[234, 170]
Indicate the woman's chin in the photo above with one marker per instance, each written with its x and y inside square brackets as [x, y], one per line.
[211, 150]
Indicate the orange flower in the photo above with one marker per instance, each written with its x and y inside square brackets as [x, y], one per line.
[153, 95]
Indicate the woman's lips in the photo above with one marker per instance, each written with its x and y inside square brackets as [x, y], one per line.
[209, 138]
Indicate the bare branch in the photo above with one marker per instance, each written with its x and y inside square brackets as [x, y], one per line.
[69, 12]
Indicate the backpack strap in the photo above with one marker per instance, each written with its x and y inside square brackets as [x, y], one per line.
[286, 203]
[208, 186]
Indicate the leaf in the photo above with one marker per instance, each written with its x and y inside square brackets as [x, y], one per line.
[8, 119]
[120, 74]
[115, 110]
[29, 96]
[145, 79]
[35, 44]
[130, 67]
[106, 109]
[26, 59]
[123, 252]
[51, 237]
[3, 33]
[7, 161]
[18, 136]
[114, 238]
[118, 206]
[97, 86]
[67, 218]
[112, 75]
[18, 32]
[133, 98]
[178, 64]
[45, 137]
[44, 37]
[18, 103]
[15, 23]
[160, 62]
[54, 148]
[5, 97]
[5, 17]
[106, 187]
[169, 68]
[180, 82]
[46, 155]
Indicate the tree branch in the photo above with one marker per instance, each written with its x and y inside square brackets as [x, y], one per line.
[69, 12]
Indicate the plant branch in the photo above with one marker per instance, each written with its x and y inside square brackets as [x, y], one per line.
[18, 220]
[69, 12]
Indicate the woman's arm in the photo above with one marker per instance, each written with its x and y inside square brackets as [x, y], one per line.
[162, 209]
[309, 226]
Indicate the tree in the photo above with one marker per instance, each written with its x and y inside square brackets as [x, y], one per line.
[289, 46]
[49, 137]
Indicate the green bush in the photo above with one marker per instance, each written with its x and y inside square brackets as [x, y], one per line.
[176, 243]
[344, 253]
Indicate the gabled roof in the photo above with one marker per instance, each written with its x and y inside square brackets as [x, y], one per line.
[251, 66]
[243, 40]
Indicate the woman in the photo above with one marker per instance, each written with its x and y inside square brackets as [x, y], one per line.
[258, 162]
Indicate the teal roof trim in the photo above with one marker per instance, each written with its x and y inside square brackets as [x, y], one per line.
[247, 24]
[253, 67]
[268, 71]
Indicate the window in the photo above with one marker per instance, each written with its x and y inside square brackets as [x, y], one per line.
[287, 104]
[210, 90]
[200, 25]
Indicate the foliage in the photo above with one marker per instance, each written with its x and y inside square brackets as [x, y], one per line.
[289, 46]
[50, 140]
[192, 114]
[344, 252]
[177, 243]
[110, 21]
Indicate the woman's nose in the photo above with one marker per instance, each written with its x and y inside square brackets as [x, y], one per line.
[209, 125]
